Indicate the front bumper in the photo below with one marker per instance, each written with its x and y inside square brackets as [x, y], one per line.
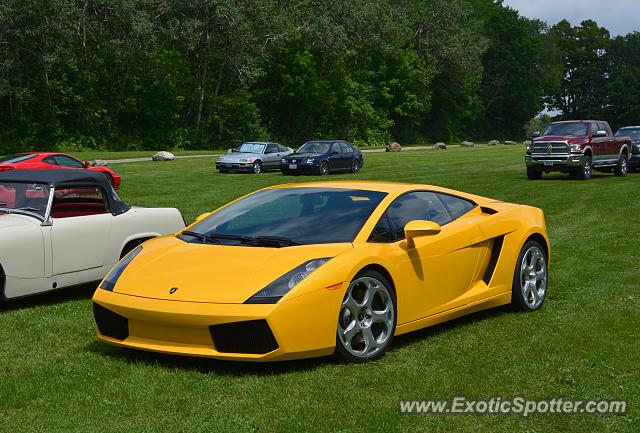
[301, 168]
[234, 166]
[554, 162]
[303, 327]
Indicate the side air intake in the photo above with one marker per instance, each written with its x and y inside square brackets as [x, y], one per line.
[493, 260]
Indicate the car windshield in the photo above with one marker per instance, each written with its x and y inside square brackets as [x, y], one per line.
[577, 129]
[16, 157]
[251, 148]
[314, 147]
[633, 133]
[293, 215]
[24, 198]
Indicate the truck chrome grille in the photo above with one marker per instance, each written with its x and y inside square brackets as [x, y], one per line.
[551, 148]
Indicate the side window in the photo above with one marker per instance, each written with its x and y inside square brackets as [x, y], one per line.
[66, 161]
[594, 129]
[74, 202]
[50, 160]
[382, 232]
[602, 127]
[281, 148]
[346, 148]
[335, 147]
[457, 206]
[419, 205]
[272, 148]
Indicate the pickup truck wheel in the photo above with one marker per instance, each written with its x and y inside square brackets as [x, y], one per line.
[534, 173]
[584, 172]
[623, 167]
[530, 278]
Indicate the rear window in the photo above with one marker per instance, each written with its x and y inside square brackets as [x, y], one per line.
[16, 157]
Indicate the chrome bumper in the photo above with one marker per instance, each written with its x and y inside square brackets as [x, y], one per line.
[554, 161]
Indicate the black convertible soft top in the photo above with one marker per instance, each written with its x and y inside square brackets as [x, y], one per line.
[61, 178]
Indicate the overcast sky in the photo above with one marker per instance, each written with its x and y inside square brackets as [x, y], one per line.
[619, 16]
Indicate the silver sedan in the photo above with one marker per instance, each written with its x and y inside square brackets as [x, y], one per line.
[255, 156]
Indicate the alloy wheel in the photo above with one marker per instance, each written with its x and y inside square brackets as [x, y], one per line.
[367, 318]
[533, 277]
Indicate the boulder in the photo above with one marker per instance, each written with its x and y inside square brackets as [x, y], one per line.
[509, 142]
[439, 145]
[527, 142]
[163, 156]
[393, 147]
[467, 144]
[494, 143]
[98, 163]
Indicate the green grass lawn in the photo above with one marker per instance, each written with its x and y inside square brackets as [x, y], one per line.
[583, 344]
[90, 155]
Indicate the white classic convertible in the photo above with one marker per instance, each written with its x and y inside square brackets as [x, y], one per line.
[60, 228]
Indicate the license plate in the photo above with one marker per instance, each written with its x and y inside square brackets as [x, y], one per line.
[548, 163]
[293, 166]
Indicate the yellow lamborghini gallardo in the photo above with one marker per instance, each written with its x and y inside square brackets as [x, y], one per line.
[311, 269]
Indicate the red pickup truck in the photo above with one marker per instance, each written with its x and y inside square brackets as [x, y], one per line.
[577, 147]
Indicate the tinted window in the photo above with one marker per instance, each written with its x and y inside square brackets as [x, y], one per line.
[251, 148]
[457, 206]
[17, 157]
[594, 129]
[634, 133]
[346, 148]
[67, 161]
[576, 129]
[420, 205]
[602, 127]
[382, 232]
[335, 147]
[272, 148]
[281, 148]
[304, 215]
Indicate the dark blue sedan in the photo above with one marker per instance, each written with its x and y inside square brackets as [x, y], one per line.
[323, 157]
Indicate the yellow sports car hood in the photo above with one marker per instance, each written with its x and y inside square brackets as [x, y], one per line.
[169, 268]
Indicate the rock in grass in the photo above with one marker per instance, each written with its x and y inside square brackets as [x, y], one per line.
[98, 163]
[393, 147]
[509, 142]
[494, 143]
[467, 144]
[163, 156]
[527, 142]
[439, 145]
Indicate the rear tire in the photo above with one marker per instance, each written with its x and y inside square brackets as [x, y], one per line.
[534, 173]
[367, 319]
[623, 166]
[530, 278]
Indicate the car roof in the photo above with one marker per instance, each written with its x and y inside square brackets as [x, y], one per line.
[325, 141]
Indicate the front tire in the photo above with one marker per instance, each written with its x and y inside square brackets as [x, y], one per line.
[585, 172]
[534, 173]
[623, 166]
[530, 278]
[324, 168]
[355, 166]
[367, 319]
[257, 167]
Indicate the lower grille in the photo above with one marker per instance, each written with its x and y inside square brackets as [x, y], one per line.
[110, 324]
[253, 336]
[551, 148]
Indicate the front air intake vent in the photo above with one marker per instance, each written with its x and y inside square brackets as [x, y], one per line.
[110, 324]
[253, 336]
[493, 260]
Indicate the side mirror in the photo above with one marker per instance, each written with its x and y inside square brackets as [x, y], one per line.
[418, 228]
[86, 164]
[601, 134]
[202, 216]
[536, 134]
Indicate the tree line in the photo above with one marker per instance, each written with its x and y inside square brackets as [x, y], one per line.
[205, 74]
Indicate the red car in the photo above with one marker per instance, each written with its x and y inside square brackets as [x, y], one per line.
[51, 160]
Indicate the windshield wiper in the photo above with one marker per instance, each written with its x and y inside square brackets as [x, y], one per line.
[202, 237]
[244, 239]
[278, 240]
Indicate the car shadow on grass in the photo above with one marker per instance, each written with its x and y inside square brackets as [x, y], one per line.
[84, 291]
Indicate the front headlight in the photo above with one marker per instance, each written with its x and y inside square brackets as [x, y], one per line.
[246, 159]
[112, 278]
[283, 160]
[575, 147]
[528, 150]
[280, 287]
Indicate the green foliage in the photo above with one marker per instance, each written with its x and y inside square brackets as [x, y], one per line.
[125, 75]
[537, 124]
